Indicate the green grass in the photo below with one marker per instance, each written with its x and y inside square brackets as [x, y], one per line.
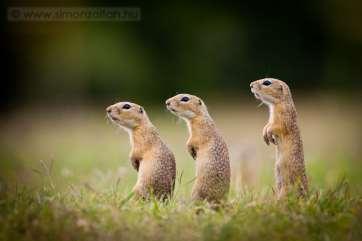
[66, 176]
[80, 213]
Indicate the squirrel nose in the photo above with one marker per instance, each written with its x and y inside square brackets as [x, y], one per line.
[251, 85]
[168, 103]
[109, 109]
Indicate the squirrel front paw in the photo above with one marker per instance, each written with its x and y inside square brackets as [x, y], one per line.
[268, 135]
[135, 163]
[192, 151]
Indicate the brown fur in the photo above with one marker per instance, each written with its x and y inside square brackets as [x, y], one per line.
[152, 159]
[283, 131]
[206, 146]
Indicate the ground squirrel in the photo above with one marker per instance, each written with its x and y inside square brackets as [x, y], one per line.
[282, 130]
[152, 159]
[206, 146]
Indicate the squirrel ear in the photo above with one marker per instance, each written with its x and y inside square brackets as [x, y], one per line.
[284, 88]
[141, 110]
[281, 88]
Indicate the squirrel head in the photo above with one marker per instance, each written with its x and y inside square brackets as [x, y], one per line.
[186, 106]
[127, 115]
[270, 91]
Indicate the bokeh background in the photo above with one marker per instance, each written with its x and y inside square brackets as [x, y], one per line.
[59, 77]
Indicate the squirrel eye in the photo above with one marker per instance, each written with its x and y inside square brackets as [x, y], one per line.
[266, 83]
[126, 106]
[185, 99]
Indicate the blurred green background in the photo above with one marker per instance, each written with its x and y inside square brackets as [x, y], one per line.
[179, 46]
[60, 76]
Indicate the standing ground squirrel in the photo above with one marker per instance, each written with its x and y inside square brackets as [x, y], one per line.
[282, 130]
[206, 146]
[152, 159]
